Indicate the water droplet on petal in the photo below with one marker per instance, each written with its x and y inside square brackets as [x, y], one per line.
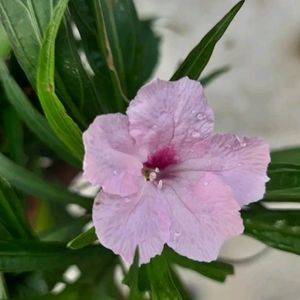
[177, 234]
[196, 134]
[201, 116]
[243, 144]
[193, 111]
[115, 172]
[239, 164]
[127, 200]
[205, 183]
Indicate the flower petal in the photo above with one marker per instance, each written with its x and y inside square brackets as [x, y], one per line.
[141, 220]
[203, 216]
[169, 113]
[111, 159]
[240, 161]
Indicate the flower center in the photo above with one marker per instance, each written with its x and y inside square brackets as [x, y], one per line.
[161, 158]
[157, 162]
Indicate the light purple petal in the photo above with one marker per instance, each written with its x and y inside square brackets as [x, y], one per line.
[203, 216]
[141, 220]
[111, 159]
[241, 162]
[169, 113]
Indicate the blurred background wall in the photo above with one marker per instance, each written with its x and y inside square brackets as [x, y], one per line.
[260, 96]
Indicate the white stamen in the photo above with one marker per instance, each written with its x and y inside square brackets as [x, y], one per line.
[160, 184]
[156, 170]
[152, 176]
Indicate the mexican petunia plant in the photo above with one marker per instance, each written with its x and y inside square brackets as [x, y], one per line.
[104, 170]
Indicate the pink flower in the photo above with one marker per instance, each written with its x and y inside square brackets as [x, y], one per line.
[166, 178]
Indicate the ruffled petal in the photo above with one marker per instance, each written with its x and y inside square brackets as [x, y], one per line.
[204, 215]
[169, 113]
[141, 220]
[241, 162]
[111, 160]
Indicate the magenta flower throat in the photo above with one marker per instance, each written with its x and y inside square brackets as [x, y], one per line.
[166, 178]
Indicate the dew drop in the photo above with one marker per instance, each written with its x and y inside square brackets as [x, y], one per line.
[193, 111]
[195, 134]
[115, 172]
[177, 234]
[127, 200]
[243, 144]
[205, 183]
[200, 116]
[239, 164]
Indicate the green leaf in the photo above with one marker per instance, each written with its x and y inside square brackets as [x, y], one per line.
[31, 117]
[24, 256]
[32, 184]
[186, 295]
[284, 184]
[13, 129]
[12, 214]
[105, 47]
[84, 239]
[206, 80]
[65, 128]
[277, 228]
[25, 23]
[198, 58]
[22, 28]
[161, 283]
[215, 270]
[288, 156]
[4, 43]
[3, 289]
[132, 280]
[75, 85]
[134, 60]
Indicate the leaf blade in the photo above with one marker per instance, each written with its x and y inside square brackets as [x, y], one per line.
[30, 183]
[31, 117]
[84, 239]
[198, 58]
[65, 128]
[11, 213]
[23, 256]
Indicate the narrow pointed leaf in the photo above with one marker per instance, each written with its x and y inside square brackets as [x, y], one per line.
[32, 118]
[161, 283]
[11, 213]
[198, 58]
[23, 256]
[277, 228]
[215, 270]
[284, 184]
[132, 280]
[104, 45]
[288, 156]
[25, 23]
[31, 184]
[137, 58]
[65, 128]
[84, 239]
